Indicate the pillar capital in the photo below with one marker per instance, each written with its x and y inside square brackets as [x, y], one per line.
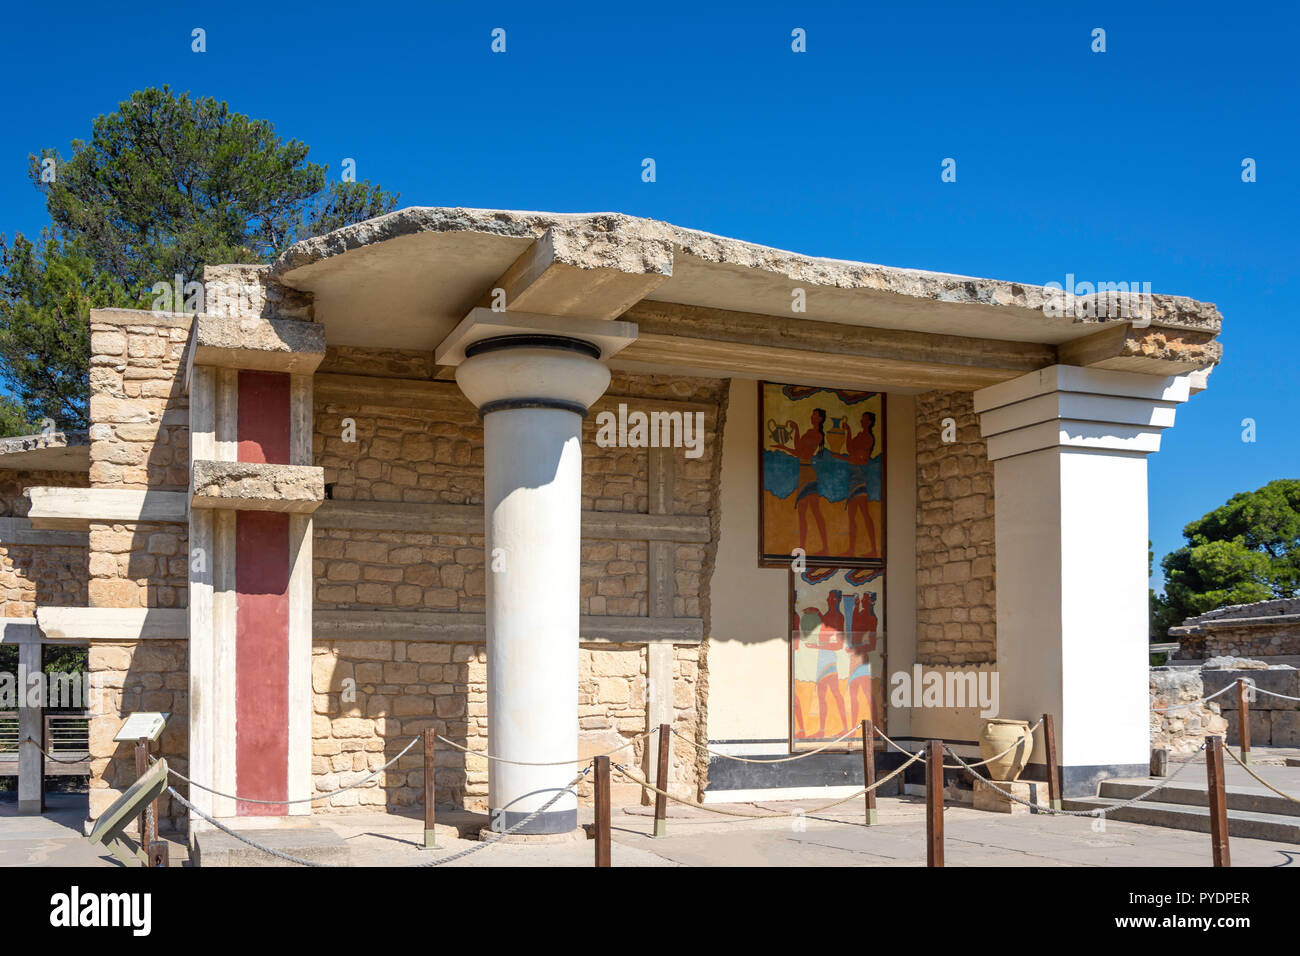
[1069, 407]
[532, 371]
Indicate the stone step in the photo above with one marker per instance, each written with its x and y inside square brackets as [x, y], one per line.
[1253, 799]
[1241, 823]
[316, 843]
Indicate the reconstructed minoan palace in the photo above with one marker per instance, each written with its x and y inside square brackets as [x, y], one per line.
[544, 482]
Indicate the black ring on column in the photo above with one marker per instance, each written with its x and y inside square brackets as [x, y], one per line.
[533, 340]
[506, 403]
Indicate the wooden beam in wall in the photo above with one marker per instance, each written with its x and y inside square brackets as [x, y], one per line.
[19, 531]
[468, 628]
[76, 508]
[468, 519]
[797, 349]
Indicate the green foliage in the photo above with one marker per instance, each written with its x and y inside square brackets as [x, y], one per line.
[1246, 550]
[165, 185]
[46, 294]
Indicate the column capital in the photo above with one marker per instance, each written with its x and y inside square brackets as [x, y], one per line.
[1066, 406]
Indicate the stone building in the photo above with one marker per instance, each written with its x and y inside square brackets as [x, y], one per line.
[364, 491]
[1269, 629]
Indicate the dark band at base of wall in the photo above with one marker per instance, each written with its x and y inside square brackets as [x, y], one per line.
[552, 821]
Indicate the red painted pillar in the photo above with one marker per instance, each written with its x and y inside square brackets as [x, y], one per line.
[262, 606]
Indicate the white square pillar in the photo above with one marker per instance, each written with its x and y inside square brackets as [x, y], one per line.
[1069, 448]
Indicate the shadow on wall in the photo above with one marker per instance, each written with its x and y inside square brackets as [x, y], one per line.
[148, 675]
[370, 698]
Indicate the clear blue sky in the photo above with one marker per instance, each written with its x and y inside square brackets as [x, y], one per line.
[1111, 166]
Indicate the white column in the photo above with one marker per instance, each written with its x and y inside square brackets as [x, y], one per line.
[1069, 448]
[532, 395]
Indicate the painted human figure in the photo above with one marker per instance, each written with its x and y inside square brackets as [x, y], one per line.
[807, 444]
[830, 640]
[857, 452]
[862, 641]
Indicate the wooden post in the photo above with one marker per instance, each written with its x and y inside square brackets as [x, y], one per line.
[869, 770]
[1218, 801]
[1053, 770]
[661, 781]
[148, 816]
[934, 803]
[158, 854]
[602, 812]
[1243, 718]
[430, 836]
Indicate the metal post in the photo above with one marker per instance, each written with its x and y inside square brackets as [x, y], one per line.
[31, 724]
[934, 803]
[869, 770]
[1218, 801]
[602, 812]
[1053, 769]
[661, 781]
[430, 836]
[1243, 714]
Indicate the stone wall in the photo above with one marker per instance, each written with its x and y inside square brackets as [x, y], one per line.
[147, 675]
[1180, 721]
[1274, 720]
[139, 432]
[31, 574]
[1262, 629]
[371, 697]
[956, 601]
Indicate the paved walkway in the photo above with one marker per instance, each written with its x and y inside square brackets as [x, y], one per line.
[699, 838]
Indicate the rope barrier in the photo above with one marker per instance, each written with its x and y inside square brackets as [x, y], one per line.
[799, 756]
[897, 746]
[1273, 693]
[552, 763]
[1100, 811]
[285, 803]
[763, 816]
[50, 756]
[439, 862]
[505, 833]
[1258, 777]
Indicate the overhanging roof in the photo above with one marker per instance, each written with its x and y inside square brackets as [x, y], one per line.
[405, 280]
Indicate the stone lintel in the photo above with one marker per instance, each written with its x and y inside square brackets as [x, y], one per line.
[269, 345]
[252, 486]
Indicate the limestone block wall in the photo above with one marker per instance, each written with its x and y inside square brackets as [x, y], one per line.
[139, 434]
[956, 599]
[129, 676]
[31, 574]
[429, 449]
[1180, 720]
[1262, 629]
